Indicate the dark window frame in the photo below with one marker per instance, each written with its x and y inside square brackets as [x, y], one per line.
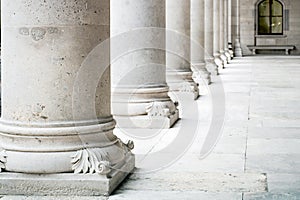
[270, 16]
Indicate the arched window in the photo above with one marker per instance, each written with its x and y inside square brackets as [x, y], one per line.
[270, 18]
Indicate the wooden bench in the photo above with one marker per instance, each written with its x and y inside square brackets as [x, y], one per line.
[287, 48]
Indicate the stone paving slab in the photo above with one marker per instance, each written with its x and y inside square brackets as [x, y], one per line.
[284, 182]
[207, 182]
[273, 163]
[281, 123]
[226, 163]
[53, 198]
[174, 195]
[272, 146]
[274, 133]
[231, 145]
[273, 196]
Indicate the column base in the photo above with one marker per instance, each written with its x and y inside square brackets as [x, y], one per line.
[144, 108]
[65, 184]
[219, 62]
[228, 55]
[223, 57]
[145, 121]
[237, 48]
[201, 74]
[238, 52]
[211, 66]
[182, 81]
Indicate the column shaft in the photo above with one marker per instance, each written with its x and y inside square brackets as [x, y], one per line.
[209, 43]
[222, 33]
[179, 73]
[197, 41]
[230, 28]
[226, 29]
[217, 46]
[236, 27]
[140, 92]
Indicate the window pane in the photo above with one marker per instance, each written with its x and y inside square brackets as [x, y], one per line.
[276, 24]
[263, 25]
[276, 8]
[264, 9]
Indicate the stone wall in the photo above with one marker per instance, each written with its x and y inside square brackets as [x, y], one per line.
[291, 33]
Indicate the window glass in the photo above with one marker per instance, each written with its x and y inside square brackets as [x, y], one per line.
[276, 8]
[264, 25]
[276, 24]
[264, 9]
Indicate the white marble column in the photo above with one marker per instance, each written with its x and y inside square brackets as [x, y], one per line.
[56, 117]
[179, 73]
[226, 24]
[229, 26]
[222, 33]
[236, 26]
[216, 10]
[140, 92]
[209, 44]
[197, 41]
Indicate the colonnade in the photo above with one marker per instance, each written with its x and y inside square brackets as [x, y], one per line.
[65, 64]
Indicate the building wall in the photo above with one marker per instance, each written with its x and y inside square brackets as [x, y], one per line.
[247, 26]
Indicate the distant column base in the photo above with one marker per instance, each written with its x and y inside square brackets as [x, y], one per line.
[182, 81]
[237, 49]
[144, 107]
[146, 121]
[211, 66]
[228, 55]
[219, 62]
[201, 73]
[223, 58]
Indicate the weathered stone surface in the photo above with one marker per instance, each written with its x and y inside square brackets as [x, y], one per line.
[272, 196]
[184, 181]
[65, 184]
[56, 117]
[139, 89]
[178, 44]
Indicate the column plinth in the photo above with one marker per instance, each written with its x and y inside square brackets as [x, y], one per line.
[140, 92]
[56, 116]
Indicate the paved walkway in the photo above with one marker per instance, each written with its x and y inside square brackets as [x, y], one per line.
[257, 156]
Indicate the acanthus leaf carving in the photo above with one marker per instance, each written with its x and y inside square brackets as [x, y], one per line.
[91, 161]
[186, 87]
[158, 109]
[130, 145]
[3, 159]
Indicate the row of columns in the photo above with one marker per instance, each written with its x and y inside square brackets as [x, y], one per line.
[58, 61]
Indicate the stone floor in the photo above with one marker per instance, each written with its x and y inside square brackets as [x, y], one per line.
[257, 151]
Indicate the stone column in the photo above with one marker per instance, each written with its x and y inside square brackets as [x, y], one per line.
[236, 27]
[216, 10]
[197, 40]
[226, 49]
[222, 33]
[229, 26]
[179, 73]
[209, 43]
[56, 122]
[140, 92]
